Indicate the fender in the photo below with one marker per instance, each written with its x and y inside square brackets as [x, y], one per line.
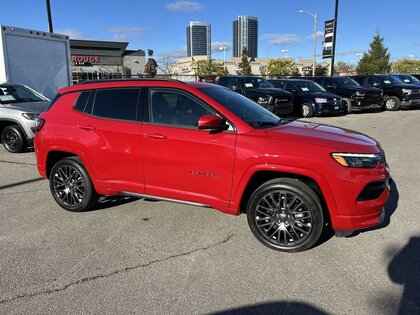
[17, 123]
[314, 175]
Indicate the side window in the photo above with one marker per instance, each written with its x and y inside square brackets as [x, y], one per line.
[116, 103]
[290, 87]
[280, 84]
[173, 107]
[234, 82]
[372, 80]
[328, 83]
[82, 101]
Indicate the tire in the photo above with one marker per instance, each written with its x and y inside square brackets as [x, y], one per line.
[306, 110]
[13, 139]
[347, 104]
[71, 185]
[293, 226]
[392, 103]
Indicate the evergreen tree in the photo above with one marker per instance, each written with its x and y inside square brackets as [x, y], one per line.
[376, 60]
[244, 65]
[150, 69]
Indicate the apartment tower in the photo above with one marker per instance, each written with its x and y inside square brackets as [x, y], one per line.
[245, 34]
[199, 39]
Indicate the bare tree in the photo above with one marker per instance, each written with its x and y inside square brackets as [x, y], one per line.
[167, 65]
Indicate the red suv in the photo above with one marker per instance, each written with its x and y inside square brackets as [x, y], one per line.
[204, 145]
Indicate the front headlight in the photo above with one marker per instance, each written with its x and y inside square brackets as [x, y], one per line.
[360, 93]
[407, 91]
[263, 100]
[358, 160]
[30, 116]
[320, 100]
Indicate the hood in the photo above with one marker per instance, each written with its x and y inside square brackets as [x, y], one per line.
[338, 139]
[30, 107]
[272, 91]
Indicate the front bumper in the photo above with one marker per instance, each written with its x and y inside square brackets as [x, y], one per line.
[410, 102]
[329, 109]
[366, 103]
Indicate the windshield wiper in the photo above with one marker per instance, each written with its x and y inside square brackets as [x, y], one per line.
[267, 123]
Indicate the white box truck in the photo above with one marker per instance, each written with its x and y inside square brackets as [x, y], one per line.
[40, 60]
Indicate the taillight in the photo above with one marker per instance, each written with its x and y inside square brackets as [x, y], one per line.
[39, 124]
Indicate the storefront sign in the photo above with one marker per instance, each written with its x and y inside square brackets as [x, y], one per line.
[80, 60]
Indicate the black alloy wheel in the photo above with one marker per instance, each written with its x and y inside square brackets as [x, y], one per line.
[285, 214]
[12, 139]
[71, 186]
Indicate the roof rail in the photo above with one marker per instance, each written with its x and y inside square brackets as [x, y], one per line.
[127, 79]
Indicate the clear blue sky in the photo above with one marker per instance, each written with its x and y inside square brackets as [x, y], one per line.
[160, 24]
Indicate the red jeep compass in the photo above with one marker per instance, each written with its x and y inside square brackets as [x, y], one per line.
[204, 145]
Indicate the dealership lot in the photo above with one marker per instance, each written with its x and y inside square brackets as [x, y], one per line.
[151, 257]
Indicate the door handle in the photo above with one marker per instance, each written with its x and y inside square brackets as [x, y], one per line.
[86, 127]
[155, 136]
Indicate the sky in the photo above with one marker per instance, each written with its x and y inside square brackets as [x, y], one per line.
[161, 24]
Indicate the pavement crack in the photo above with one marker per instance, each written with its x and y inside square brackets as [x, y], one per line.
[102, 276]
[13, 162]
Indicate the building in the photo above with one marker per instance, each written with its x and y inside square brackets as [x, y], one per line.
[97, 60]
[198, 39]
[245, 34]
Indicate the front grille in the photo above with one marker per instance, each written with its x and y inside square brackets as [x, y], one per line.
[373, 96]
[372, 191]
[335, 101]
[281, 100]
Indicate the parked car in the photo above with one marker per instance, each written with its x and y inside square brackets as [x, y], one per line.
[261, 91]
[407, 78]
[397, 94]
[204, 145]
[416, 75]
[355, 97]
[309, 98]
[19, 107]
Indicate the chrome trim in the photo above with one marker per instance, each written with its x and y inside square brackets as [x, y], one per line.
[131, 194]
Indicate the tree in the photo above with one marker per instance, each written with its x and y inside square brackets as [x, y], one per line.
[280, 67]
[167, 66]
[208, 67]
[150, 69]
[343, 67]
[406, 66]
[321, 70]
[376, 60]
[244, 65]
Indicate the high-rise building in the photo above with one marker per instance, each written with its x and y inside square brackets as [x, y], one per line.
[245, 34]
[199, 39]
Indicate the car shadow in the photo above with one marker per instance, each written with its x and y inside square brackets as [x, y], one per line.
[274, 308]
[404, 269]
[390, 207]
[112, 201]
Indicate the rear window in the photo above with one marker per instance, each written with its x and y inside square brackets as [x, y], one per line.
[116, 103]
[54, 100]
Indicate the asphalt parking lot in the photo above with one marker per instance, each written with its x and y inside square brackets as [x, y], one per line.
[136, 256]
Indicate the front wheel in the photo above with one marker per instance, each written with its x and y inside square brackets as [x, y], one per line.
[285, 214]
[307, 110]
[13, 139]
[71, 186]
[347, 104]
[392, 103]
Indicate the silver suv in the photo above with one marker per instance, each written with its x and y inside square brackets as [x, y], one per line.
[19, 107]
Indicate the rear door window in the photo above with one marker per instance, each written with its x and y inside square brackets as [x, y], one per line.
[121, 104]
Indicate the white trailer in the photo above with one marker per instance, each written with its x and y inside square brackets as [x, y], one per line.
[40, 60]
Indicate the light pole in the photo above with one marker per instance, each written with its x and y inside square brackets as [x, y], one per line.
[314, 16]
[411, 57]
[268, 50]
[224, 48]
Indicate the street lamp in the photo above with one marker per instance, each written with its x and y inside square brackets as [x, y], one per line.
[314, 16]
[268, 50]
[359, 55]
[411, 57]
[224, 48]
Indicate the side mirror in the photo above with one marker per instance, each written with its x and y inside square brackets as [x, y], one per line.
[376, 84]
[331, 87]
[212, 123]
[236, 88]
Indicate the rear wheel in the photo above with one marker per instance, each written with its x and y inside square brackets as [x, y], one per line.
[13, 140]
[71, 186]
[306, 110]
[285, 214]
[392, 103]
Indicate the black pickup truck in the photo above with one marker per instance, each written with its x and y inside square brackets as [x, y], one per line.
[397, 94]
[261, 91]
[355, 97]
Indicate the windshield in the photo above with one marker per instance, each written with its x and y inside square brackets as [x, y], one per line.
[307, 86]
[256, 82]
[407, 78]
[19, 94]
[389, 79]
[345, 81]
[247, 110]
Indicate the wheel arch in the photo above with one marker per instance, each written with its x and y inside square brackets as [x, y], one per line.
[9, 122]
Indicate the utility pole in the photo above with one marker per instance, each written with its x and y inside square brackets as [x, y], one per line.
[334, 37]
[50, 25]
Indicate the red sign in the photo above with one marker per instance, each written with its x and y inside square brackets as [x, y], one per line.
[89, 59]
